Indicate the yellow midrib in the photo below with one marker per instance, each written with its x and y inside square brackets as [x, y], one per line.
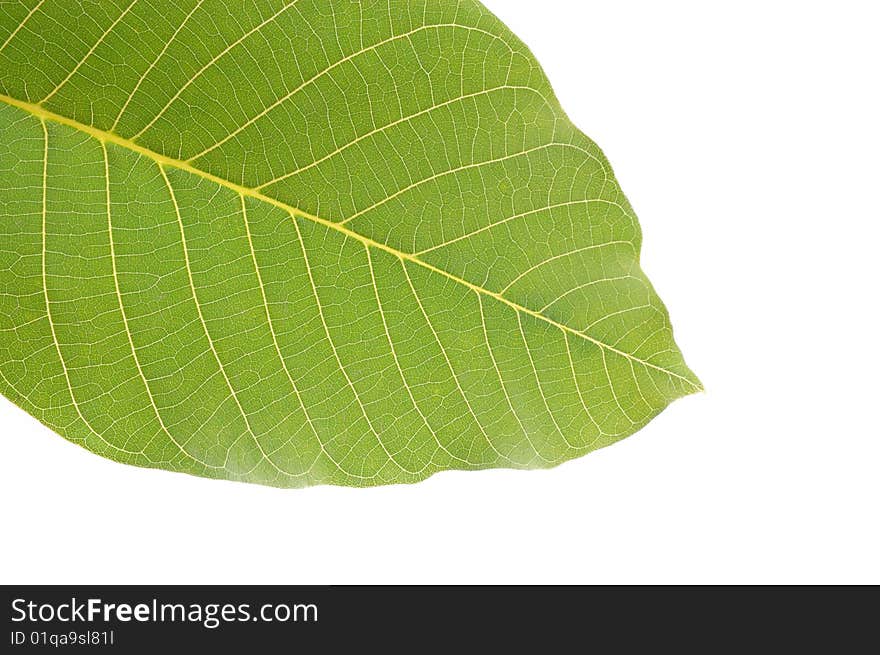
[109, 137]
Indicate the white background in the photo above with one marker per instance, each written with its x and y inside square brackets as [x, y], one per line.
[746, 136]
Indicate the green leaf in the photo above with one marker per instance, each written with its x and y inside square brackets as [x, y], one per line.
[311, 242]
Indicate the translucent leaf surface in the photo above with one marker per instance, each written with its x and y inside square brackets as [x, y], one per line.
[312, 241]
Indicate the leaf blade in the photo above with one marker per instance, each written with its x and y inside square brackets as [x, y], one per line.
[281, 344]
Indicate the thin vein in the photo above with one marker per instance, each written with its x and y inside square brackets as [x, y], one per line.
[577, 386]
[399, 367]
[563, 255]
[21, 24]
[384, 128]
[587, 285]
[466, 167]
[625, 310]
[89, 53]
[639, 386]
[34, 409]
[128, 334]
[153, 64]
[49, 304]
[198, 307]
[213, 61]
[613, 391]
[503, 385]
[531, 212]
[336, 353]
[287, 372]
[320, 74]
[540, 387]
[449, 364]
